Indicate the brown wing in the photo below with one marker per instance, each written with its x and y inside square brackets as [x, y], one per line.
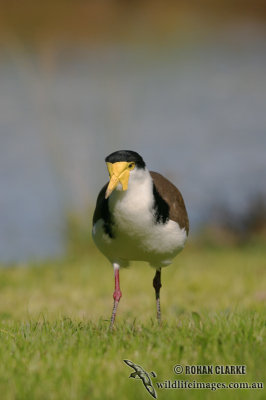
[174, 199]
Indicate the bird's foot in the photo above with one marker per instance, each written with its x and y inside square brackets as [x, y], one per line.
[117, 296]
[113, 315]
[158, 311]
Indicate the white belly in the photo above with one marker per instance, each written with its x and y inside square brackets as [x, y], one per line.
[136, 235]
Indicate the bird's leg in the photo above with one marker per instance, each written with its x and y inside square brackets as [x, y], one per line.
[157, 286]
[117, 294]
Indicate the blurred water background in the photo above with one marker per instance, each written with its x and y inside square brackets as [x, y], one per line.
[183, 86]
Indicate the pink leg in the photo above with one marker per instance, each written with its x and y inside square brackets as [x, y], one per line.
[117, 294]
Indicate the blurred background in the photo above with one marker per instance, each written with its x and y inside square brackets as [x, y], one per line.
[182, 83]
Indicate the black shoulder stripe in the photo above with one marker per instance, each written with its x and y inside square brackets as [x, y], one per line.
[106, 215]
[102, 212]
[161, 207]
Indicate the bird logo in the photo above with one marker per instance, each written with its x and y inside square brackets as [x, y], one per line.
[140, 373]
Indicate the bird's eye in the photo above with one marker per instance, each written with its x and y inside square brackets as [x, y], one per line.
[131, 166]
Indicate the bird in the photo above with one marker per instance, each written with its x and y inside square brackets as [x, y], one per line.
[140, 373]
[139, 216]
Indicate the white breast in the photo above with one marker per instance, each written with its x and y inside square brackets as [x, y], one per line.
[136, 235]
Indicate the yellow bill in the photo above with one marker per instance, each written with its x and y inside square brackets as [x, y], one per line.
[119, 173]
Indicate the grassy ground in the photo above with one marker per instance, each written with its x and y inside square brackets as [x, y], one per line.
[55, 343]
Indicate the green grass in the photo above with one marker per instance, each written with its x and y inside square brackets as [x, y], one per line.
[54, 317]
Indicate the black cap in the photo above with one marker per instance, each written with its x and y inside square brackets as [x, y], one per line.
[126, 155]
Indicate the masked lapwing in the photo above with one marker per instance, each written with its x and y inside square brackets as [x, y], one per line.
[139, 215]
